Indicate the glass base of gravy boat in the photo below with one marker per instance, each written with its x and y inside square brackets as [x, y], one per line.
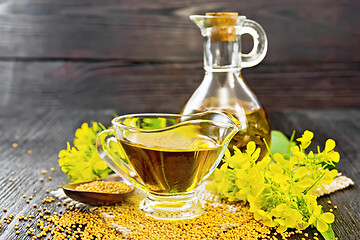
[168, 156]
[172, 207]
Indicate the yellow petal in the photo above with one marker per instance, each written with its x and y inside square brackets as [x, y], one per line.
[305, 183]
[295, 150]
[240, 184]
[321, 226]
[328, 217]
[250, 148]
[256, 154]
[329, 145]
[311, 220]
[281, 229]
[100, 165]
[317, 210]
[301, 172]
[227, 153]
[280, 221]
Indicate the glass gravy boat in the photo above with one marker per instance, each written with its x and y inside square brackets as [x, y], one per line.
[168, 156]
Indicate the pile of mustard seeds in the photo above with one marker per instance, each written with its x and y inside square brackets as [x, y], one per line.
[105, 187]
[219, 220]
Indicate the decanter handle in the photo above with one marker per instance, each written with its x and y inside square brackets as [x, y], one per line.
[258, 52]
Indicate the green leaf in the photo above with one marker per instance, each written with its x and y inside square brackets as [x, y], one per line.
[279, 142]
[329, 234]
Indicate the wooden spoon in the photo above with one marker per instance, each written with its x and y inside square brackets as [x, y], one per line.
[96, 198]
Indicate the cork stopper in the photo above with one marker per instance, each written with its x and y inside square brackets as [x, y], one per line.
[223, 29]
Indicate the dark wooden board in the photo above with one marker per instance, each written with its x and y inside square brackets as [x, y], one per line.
[130, 87]
[343, 127]
[298, 31]
[45, 131]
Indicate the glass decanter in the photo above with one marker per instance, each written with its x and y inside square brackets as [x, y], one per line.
[223, 87]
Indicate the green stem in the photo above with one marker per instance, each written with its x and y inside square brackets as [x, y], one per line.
[290, 142]
[268, 148]
[306, 191]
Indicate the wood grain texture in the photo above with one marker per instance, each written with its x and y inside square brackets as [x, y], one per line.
[343, 127]
[46, 130]
[298, 31]
[131, 87]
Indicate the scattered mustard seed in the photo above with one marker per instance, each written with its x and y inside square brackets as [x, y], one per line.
[11, 179]
[31, 197]
[52, 169]
[5, 210]
[14, 145]
[29, 152]
[335, 207]
[24, 196]
[50, 178]
[17, 232]
[43, 172]
[331, 210]
[329, 202]
[41, 179]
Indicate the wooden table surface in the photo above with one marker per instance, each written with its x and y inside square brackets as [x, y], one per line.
[66, 62]
[46, 131]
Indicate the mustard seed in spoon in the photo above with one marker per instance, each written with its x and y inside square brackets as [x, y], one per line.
[101, 192]
[104, 187]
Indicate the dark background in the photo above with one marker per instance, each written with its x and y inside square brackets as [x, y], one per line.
[146, 56]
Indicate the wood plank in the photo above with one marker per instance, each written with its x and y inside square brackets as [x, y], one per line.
[306, 31]
[131, 87]
[343, 127]
[46, 130]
